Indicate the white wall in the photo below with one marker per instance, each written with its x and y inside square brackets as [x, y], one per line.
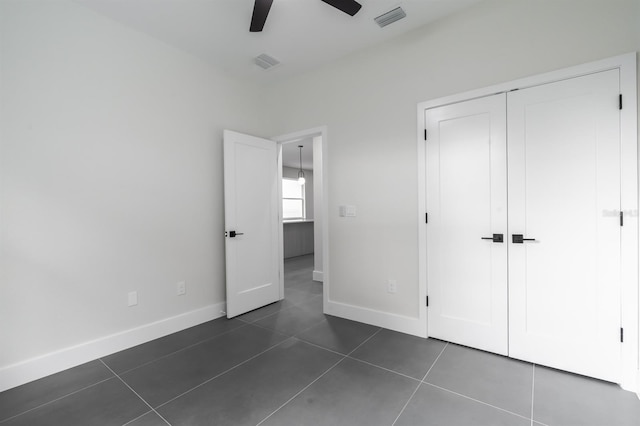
[110, 177]
[368, 101]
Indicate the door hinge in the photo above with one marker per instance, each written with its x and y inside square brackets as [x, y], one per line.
[621, 219]
[425, 134]
[621, 335]
[620, 101]
[427, 301]
[426, 218]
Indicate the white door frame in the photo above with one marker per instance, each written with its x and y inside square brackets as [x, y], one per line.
[630, 302]
[321, 209]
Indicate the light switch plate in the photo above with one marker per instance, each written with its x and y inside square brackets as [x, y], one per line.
[133, 298]
[347, 211]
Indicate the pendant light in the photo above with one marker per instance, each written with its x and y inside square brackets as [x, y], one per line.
[301, 172]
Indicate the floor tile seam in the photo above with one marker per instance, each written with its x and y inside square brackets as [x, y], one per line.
[268, 315]
[139, 417]
[418, 387]
[273, 330]
[293, 305]
[476, 400]
[318, 346]
[318, 378]
[435, 361]
[179, 350]
[137, 394]
[365, 341]
[57, 399]
[406, 404]
[311, 326]
[302, 390]
[224, 372]
[384, 368]
[290, 335]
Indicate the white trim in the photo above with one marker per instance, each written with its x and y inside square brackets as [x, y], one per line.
[324, 219]
[317, 276]
[629, 172]
[401, 323]
[54, 362]
[536, 80]
[630, 303]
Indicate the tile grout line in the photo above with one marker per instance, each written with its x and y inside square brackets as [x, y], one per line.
[356, 359]
[318, 378]
[293, 305]
[224, 372]
[533, 388]
[418, 387]
[55, 400]
[383, 368]
[301, 390]
[280, 332]
[314, 296]
[181, 349]
[139, 417]
[136, 393]
[318, 346]
[476, 400]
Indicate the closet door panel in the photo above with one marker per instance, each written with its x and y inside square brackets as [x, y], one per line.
[466, 201]
[564, 192]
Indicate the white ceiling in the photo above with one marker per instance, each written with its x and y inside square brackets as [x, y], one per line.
[301, 34]
[291, 154]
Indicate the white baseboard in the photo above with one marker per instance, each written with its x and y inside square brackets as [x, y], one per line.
[638, 385]
[317, 276]
[403, 324]
[54, 362]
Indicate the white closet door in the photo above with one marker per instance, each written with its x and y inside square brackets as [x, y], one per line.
[466, 201]
[564, 192]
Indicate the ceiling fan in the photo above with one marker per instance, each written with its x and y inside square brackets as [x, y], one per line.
[261, 10]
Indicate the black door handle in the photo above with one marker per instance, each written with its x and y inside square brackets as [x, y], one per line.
[497, 238]
[518, 239]
[232, 234]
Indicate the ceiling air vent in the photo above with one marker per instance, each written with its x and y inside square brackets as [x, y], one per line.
[390, 17]
[265, 61]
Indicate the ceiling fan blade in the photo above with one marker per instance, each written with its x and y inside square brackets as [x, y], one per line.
[350, 7]
[260, 13]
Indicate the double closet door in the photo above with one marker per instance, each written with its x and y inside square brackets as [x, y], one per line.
[523, 237]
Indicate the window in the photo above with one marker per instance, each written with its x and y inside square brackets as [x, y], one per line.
[292, 199]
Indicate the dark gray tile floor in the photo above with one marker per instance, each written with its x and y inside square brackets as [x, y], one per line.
[289, 364]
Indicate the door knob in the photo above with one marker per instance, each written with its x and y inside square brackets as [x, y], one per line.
[232, 234]
[497, 238]
[518, 239]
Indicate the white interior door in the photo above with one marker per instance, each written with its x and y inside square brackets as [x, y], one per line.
[467, 204]
[251, 222]
[564, 192]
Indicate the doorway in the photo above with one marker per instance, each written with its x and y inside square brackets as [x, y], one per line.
[304, 240]
[298, 224]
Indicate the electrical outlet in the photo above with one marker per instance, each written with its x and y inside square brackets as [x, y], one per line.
[133, 298]
[181, 288]
[392, 286]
